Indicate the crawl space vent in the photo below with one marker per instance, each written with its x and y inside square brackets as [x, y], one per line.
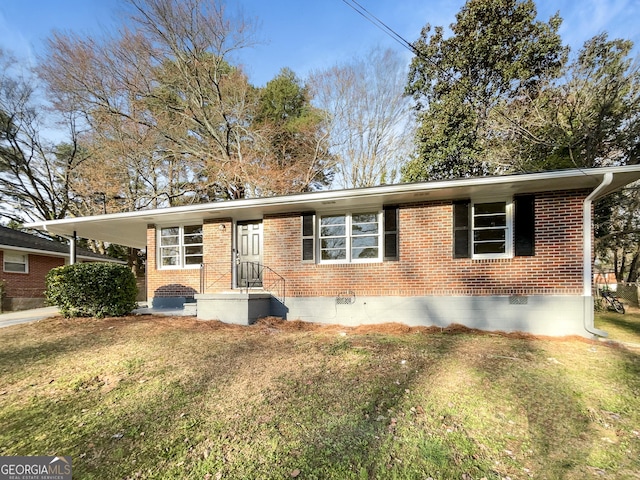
[518, 300]
[346, 298]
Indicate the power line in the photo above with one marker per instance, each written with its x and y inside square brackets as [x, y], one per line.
[370, 17]
[381, 25]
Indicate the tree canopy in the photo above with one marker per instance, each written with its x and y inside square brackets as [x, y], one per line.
[293, 152]
[587, 117]
[371, 128]
[497, 51]
[502, 94]
[36, 175]
[180, 122]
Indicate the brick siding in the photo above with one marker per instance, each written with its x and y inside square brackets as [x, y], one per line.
[185, 282]
[425, 267]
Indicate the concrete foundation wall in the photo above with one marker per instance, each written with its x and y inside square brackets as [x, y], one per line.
[16, 304]
[540, 315]
[238, 308]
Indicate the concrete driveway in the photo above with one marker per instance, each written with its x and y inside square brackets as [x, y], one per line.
[25, 316]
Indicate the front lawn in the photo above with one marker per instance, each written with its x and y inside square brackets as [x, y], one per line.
[157, 397]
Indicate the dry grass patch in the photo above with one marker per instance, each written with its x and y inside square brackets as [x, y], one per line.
[158, 397]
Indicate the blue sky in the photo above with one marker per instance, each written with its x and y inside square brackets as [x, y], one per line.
[307, 35]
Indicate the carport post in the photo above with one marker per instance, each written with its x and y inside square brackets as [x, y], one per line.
[72, 249]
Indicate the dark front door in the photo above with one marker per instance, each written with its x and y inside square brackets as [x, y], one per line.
[249, 248]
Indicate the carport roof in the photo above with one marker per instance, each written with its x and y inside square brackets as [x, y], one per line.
[130, 228]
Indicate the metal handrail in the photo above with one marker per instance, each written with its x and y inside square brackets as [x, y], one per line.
[270, 280]
[216, 275]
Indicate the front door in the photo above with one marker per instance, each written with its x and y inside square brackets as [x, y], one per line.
[249, 248]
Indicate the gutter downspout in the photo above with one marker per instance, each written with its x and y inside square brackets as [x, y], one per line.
[587, 275]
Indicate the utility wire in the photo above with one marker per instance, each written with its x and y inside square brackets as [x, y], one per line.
[381, 25]
[370, 17]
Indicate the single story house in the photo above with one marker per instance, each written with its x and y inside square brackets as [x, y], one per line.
[26, 259]
[511, 253]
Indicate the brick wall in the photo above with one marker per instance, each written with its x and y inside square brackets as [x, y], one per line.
[217, 235]
[425, 267]
[28, 285]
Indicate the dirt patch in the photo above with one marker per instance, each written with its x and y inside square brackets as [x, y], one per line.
[392, 328]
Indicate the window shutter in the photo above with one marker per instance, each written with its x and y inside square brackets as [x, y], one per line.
[461, 229]
[308, 237]
[524, 225]
[391, 237]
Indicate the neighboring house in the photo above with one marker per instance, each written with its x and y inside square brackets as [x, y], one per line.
[607, 279]
[508, 253]
[26, 259]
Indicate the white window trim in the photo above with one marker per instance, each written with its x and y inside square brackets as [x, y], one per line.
[508, 253]
[181, 247]
[348, 247]
[14, 252]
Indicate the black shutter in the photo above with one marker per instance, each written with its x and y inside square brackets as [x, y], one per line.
[308, 237]
[391, 247]
[524, 225]
[461, 229]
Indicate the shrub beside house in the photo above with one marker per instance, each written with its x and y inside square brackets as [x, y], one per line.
[96, 289]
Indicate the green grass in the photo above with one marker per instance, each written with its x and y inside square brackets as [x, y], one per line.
[146, 397]
[623, 328]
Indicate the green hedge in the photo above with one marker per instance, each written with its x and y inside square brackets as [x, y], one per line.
[92, 290]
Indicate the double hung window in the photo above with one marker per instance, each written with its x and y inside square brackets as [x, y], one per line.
[351, 237]
[181, 246]
[15, 262]
[491, 229]
[496, 229]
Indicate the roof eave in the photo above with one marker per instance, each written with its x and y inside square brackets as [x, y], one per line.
[101, 227]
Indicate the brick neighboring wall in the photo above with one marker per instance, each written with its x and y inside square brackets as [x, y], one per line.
[426, 265]
[32, 284]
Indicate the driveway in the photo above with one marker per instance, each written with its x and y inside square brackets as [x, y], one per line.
[24, 316]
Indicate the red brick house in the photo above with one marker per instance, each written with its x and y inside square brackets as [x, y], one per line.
[509, 253]
[26, 259]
